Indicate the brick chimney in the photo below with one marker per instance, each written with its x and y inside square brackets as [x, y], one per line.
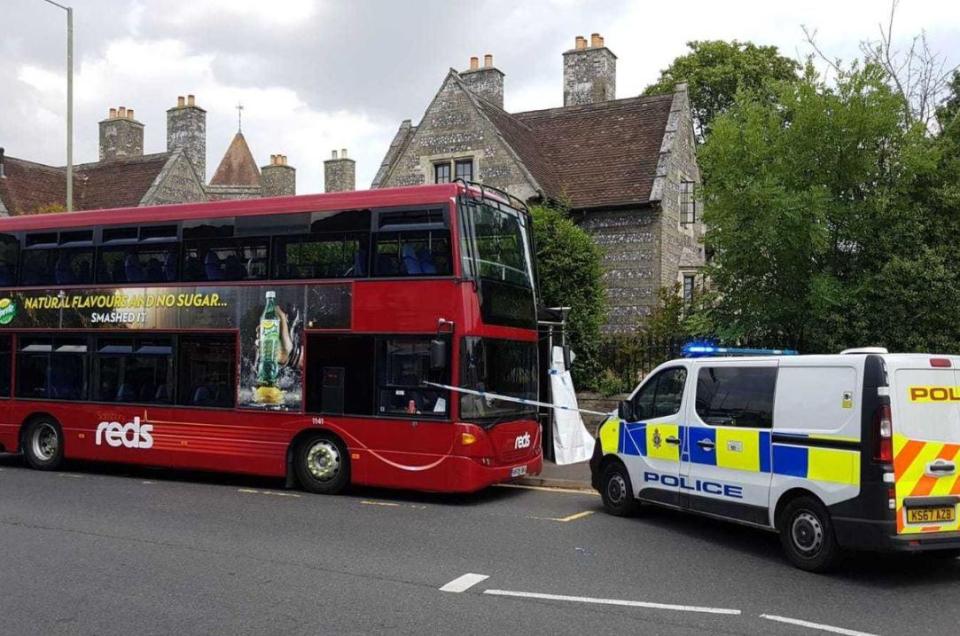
[187, 129]
[485, 81]
[121, 136]
[339, 173]
[278, 179]
[589, 72]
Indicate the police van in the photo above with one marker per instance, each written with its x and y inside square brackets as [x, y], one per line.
[851, 451]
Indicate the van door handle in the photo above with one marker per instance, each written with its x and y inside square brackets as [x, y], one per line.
[706, 444]
[673, 440]
[941, 468]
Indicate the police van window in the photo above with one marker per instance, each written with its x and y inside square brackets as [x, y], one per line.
[662, 395]
[736, 396]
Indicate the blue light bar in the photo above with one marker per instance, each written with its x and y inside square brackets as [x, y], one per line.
[700, 350]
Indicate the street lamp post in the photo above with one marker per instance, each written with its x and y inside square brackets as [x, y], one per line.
[69, 11]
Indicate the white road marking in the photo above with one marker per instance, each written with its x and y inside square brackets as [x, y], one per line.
[614, 601]
[463, 583]
[70, 475]
[392, 504]
[821, 627]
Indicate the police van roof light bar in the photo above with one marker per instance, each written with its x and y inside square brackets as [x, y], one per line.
[697, 350]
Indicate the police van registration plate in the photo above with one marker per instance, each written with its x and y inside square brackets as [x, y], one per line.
[937, 514]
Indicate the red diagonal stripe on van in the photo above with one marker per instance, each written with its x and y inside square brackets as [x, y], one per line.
[926, 483]
[907, 454]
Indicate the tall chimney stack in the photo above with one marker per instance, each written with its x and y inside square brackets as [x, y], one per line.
[339, 174]
[278, 179]
[121, 136]
[187, 129]
[486, 82]
[589, 72]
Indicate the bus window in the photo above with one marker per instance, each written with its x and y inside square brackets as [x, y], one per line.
[134, 370]
[340, 377]
[207, 370]
[138, 264]
[225, 259]
[403, 364]
[5, 362]
[423, 253]
[52, 368]
[9, 250]
[58, 266]
[337, 255]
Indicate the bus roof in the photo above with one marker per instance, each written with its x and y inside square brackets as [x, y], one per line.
[387, 197]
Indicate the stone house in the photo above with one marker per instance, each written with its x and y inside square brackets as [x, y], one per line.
[126, 177]
[625, 168]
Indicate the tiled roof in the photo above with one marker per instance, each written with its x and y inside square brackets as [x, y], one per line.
[237, 167]
[602, 154]
[29, 186]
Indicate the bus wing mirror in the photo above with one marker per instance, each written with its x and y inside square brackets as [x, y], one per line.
[625, 411]
[438, 354]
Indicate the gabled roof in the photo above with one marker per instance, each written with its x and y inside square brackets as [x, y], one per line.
[594, 155]
[237, 168]
[602, 154]
[29, 186]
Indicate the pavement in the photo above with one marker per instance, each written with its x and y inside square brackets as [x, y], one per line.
[570, 476]
[99, 549]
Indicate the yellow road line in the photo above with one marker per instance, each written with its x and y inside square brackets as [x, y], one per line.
[367, 502]
[567, 519]
[572, 491]
[251, 491]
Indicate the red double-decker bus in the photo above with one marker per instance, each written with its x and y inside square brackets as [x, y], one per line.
[315, 338]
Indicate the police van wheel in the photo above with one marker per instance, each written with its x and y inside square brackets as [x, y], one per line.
[322, 464]
[617, 492]
[806, 533]
[42, 444]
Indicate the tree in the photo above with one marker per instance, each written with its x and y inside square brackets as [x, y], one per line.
[715, 70]
[568, 264]
[817, 212]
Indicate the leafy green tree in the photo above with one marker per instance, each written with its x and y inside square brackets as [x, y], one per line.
[715, 70]
[568, 264]
[817, 208]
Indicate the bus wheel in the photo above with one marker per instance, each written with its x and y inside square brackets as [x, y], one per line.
[322, 465]
[43, 444]
[806, 533]
[616, 490]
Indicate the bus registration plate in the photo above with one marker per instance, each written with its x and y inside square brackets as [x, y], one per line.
[933, 514]
[518, 471]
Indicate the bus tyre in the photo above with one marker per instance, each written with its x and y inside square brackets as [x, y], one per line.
[617, 491]
[806, 533]
[43, 444]
[322, 464]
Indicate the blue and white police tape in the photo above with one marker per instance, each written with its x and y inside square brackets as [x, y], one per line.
[509, 398]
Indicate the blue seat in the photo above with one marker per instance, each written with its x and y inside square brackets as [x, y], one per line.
[411, 264]
[63, 272]
[427, 265]
[132, 269]
[212, 266]
[170, 266]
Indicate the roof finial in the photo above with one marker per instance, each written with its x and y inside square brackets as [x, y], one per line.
[239, 108]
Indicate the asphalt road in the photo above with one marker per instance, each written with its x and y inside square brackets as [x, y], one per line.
[111, 550]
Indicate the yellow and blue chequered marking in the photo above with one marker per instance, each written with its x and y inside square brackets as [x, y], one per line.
[748, 450]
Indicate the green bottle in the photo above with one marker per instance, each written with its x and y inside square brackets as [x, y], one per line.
[268, 368]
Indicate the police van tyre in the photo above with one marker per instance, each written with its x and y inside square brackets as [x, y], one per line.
[42, 444]
[617, 491]
[806, 533]
[322, 464]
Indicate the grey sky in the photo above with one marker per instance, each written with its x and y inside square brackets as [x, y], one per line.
[315, 75]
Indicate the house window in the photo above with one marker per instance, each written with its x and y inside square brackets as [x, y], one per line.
[441, 172]
[688, 288]
[464, 169]
[447, 171]
[688, 203]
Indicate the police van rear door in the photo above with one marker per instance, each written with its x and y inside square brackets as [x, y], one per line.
[925, 394]
[726, 450]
